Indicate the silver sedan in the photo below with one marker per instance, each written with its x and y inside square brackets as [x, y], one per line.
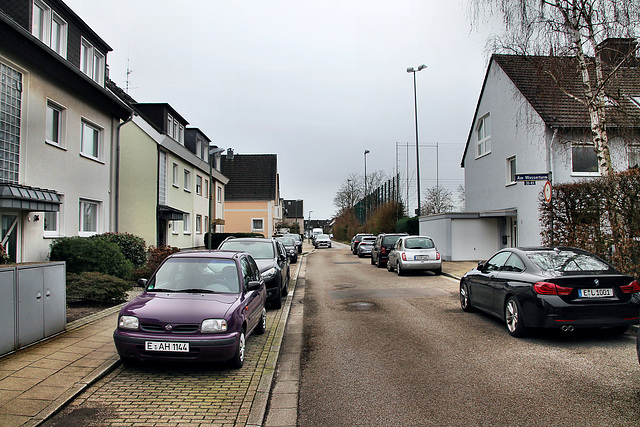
[415, 253]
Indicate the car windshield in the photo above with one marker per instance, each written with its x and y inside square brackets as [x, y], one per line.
[322, 237]
[390, 240]
[566, 260]
[287, 241]
[257, 249]
[419, 243]
[204, 275]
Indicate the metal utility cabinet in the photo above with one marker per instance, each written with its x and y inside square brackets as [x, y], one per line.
[32, 303]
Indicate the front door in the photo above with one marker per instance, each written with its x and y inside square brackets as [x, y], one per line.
[9, 232]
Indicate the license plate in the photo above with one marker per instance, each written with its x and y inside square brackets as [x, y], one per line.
[421, 257]
[595, 293]
[180, 347]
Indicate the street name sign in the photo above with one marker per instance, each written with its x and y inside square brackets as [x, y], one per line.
[532, 177]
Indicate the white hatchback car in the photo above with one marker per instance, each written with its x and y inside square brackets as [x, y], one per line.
[415, 253]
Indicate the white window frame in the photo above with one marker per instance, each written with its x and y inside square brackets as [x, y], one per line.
[82, 232]
[174, 227]
[198, 224]
[57, 220]
[206, 188]
[198, 185]
[176, 172]
[187, 180]
[219, 194]
[186, 226]
[511, 168]
[84, 125]
[61, 123]
[633, 153]
[253, 221]
[483, 136]
[583, 173]
[92, 61]
[43, 30]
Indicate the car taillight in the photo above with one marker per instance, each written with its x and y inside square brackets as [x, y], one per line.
[383, 250]
[437, 256]
[631, 288]
[404, 256]
[546, 288]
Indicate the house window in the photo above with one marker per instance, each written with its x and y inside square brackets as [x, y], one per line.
[198, 224]
[186, 220]
[219, 194]
[176, 179]
[199, 185]
[187, 180]
[49, 28]
[89, 212]
[511, 170]
[206, 223]
[633, 154]
[92, 62]
[90, 140]
[11, 107]
[162, 178]
[174, 227]
[174, 129]
[257, 224]
[206, 189]
[55, 124]
[52, 222]
[483, 132]
[584, 160]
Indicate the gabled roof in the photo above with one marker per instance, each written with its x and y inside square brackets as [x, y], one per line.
[546, 82]
[251, 176]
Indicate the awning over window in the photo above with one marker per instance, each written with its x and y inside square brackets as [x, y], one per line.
[499, 213]
[32, 199]
[170, 214]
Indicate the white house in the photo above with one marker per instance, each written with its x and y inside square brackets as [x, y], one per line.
[527, 123]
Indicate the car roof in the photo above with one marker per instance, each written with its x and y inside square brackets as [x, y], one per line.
[203, 253]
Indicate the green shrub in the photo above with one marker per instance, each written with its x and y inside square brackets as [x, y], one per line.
[155, 256]
[97, 288]
[132, 247]
[86, 254]
[408, 225]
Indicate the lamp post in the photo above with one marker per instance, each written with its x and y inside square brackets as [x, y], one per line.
[309, 227]
[415, 107]
[213, 150]
[365, 185]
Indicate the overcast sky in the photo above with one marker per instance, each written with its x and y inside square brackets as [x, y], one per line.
[315, 82]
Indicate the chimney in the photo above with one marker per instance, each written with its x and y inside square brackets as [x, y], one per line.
[612, 51]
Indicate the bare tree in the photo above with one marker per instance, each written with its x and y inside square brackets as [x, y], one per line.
[349, 193]
[461, 196]
[437, 200]
[573, 28]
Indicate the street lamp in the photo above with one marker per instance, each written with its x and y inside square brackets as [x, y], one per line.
[213, 150]
[415, 106]
[309, 227]
[365, 184]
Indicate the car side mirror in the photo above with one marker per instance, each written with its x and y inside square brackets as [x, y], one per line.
[480, 265]
[142, 283]
[253, 285]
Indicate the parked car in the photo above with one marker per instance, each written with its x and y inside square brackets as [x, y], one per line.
[290, 246]
[355, 241]
[414, 253]
[322, 240]
[197, 306]
[365, 246]
[564, 288]
[298, 240]
[272, 259]
[382, 247]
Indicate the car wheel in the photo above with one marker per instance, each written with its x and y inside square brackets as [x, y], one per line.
[399, 269]
[619, 330]
[238, 358]
[359, 255]
[389, 267]
[465, 302]
[262, 324]
[277, 302]
[373, 262]
[438, 271]
[513, 318]
[379, 263]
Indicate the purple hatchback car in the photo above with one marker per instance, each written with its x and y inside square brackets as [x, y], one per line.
[197, 306]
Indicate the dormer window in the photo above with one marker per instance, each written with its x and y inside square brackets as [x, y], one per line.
[175, 129]
[92, 62]
[483, 132]
[49, 27]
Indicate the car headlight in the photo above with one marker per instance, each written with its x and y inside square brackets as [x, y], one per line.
[213, 325]
[128, 322]
[269, 274]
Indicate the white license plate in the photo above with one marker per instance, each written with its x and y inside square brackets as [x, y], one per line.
[421, 257]
[181, 347]
[595, 293]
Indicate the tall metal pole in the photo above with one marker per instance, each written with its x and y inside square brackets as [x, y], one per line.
[415, 107]
[366, 203]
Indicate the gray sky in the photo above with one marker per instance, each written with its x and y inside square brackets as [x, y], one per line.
[315, 82]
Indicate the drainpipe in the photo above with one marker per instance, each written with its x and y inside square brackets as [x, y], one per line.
[117, 189]
[553, 137]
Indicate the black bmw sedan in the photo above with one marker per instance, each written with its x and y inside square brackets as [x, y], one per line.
[540, 287]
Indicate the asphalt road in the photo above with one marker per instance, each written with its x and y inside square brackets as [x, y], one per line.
[383, 350]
